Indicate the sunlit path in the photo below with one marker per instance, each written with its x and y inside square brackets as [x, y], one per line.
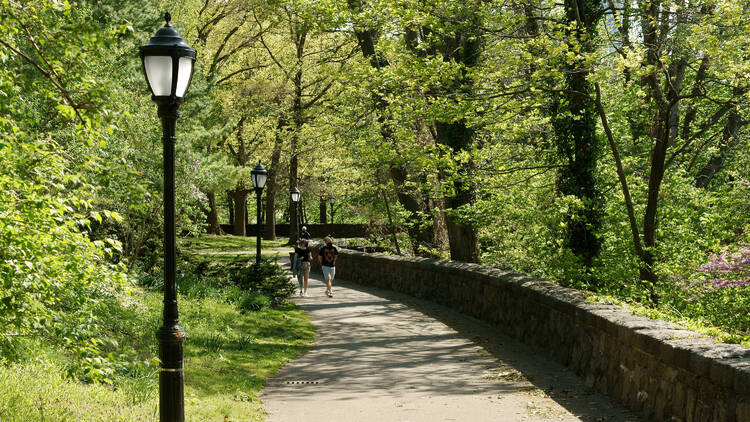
[382, 356]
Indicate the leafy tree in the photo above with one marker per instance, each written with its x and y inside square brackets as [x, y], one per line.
[573, 117]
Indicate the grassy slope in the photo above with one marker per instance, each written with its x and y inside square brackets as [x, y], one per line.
[211, 243]
[228, 355]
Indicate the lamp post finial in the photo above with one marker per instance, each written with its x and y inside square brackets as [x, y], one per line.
[167, 17]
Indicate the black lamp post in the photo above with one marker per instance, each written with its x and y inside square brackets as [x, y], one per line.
[295, 193]
[260, 175]
[168, 65]
[330, 201]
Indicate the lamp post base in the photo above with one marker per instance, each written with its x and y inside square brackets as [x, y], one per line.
[171, 375]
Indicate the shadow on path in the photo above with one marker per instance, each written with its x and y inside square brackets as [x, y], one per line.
[385, 356]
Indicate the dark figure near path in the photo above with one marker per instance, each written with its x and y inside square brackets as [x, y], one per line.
[304, 234]
[301, 265]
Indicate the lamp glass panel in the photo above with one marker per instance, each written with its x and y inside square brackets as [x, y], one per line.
[259, 180]
[183, 77]
[295, 197]
[159, 74]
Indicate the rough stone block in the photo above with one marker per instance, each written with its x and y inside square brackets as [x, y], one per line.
[742, 378]
[690, 405]
[743, 411]
[720, 411]
[703, 413]
[678, 401]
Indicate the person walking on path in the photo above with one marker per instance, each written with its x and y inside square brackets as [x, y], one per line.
[301, 266]
[304, 234]
[327, 258]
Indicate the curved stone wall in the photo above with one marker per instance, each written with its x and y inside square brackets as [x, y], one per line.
[660, 369]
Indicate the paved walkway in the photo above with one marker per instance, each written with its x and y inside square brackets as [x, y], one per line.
[382, 356]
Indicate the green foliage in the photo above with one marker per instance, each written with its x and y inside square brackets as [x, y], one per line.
[227, 354]
[81, 182]
[254, 301]
[268, 279]
[39, 390]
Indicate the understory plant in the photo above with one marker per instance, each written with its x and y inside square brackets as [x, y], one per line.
[719, 290]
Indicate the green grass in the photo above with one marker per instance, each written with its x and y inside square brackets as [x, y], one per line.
[230, 250]
[230, 258]
[213, 243]
[228, 357]
[39, 391]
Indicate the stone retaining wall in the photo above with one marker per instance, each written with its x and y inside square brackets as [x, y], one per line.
[662, 370]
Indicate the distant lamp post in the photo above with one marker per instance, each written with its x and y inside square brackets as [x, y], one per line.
[167, 62]
[260, 175]
[296, 195]
[331, 201]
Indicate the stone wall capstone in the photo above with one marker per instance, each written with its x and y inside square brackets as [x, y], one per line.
[662, 370]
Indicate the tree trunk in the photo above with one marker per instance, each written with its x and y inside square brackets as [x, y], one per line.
[323, 210]
[293, 217]
[658, 159]
[230, 207]
[239, 194]
[390, 223]
[439, 229]
[462, 235]
[296, 113]
[240, 198]
[272, 185]
[420, 234]
[464, 47]
[573, 118]
[212, 218]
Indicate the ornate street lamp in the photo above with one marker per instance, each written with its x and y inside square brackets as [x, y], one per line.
[260, 175]
[330, 201]
[296, 195]
[168, 65]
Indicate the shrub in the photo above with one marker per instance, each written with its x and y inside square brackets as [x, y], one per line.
[718, 291]
[254, 301]
[268, 278]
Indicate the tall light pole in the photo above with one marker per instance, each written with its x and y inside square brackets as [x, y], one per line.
[331, 201]
[260, 175]
[295, 194]
[168, 65]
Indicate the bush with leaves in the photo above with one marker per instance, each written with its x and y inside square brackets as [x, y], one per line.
[719, 291]
[253, 301]
[268, 279]
[234, 280]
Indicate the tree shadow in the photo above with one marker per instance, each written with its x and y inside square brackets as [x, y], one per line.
[377, 342]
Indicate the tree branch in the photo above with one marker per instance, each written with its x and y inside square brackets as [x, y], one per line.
[620, 173]
[46, 74]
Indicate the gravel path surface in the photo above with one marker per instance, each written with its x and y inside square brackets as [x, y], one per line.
[382, 356]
